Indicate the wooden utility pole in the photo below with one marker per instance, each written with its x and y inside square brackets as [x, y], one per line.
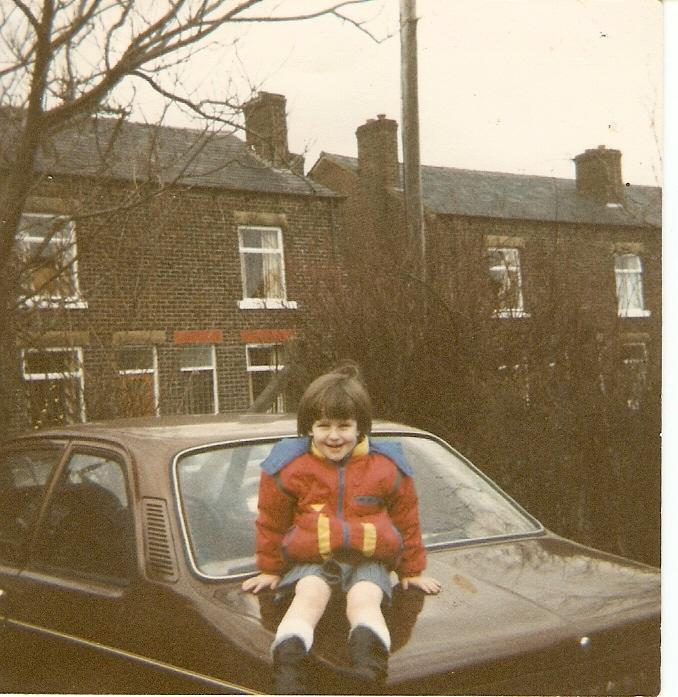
[414, 208]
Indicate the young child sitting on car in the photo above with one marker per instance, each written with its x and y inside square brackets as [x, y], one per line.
[336, 511]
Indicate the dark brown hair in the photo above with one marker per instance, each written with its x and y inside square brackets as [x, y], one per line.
[339, 394]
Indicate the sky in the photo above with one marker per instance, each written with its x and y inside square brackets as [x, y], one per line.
[504, 85]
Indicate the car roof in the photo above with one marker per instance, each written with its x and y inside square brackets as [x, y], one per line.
[175, 433]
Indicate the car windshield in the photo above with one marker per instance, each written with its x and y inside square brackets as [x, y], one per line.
[218, 487]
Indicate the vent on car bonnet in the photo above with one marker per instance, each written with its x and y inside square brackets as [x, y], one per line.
[161, 562]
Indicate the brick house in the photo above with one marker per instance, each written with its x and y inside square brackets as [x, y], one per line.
[168, 267]
[518, 245]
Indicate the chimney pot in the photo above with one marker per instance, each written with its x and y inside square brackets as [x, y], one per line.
[599, 174]
[378, 151]
[266, 127]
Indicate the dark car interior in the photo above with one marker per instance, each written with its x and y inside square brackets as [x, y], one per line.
[18, 511]
[23, 476]
[87, 531]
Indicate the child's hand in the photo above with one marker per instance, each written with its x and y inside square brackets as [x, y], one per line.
[260, 582]
[425, 583]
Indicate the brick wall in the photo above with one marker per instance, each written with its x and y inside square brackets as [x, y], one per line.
[573, 260]
[172, 265]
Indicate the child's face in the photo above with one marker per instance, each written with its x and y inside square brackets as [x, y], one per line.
[335, 438]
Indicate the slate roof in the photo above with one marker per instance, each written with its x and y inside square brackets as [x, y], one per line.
[451, 191]
[107, 148]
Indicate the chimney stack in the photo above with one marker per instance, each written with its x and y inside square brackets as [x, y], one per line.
[266, 128]
[378, 151]
[599, 174]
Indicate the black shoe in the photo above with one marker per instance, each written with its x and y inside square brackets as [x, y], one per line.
[369, 659]
[290, 660]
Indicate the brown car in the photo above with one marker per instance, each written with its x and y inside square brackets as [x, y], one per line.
[123, 546]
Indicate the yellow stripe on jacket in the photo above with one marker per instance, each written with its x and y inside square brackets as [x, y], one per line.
[369, 539]
[324, 545]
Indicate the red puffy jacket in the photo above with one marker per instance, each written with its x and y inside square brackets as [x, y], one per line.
[310, 508]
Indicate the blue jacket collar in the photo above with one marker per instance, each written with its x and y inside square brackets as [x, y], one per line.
[288, 449]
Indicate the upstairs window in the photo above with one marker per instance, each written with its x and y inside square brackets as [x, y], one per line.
[262, 267]
[54, 382]
[263, 361]
[137, 381]
[506, 281]
[198, 368]
[47, 249]
[628, 271]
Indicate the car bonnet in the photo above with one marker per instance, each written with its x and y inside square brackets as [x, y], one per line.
[505, 599]
[499, 600]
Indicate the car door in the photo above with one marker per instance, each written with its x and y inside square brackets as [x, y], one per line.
[70, 598]
[87, 619]
[25, 470]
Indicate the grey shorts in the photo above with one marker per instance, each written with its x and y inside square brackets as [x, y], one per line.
[339, 575]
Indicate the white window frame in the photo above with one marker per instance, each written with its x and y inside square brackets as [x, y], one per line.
[248, 303]
[624, 309]
[212, 367]
[145, 371]
[78, 374]
[507, 268]
[280, 402]
[74, 301]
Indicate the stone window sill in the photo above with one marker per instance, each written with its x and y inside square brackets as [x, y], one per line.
[267, 304]
[635, 313]
[511, 314]
[55, 303]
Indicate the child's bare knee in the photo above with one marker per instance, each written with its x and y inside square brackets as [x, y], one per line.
[313, 590]
[364, 594]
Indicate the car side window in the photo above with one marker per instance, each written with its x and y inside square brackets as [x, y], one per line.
[23, 476]
[88, 526]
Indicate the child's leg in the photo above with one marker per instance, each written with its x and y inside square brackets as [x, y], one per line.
[294, 636]
[363, 607]
[369, 640]
[311, 595]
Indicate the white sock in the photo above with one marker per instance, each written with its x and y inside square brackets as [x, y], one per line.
[293, 626]
[381, 630]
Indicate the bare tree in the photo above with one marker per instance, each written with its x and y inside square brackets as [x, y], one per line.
[551, 406]
[63, 61]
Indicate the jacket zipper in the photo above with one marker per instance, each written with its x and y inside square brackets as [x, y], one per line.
[340, 505]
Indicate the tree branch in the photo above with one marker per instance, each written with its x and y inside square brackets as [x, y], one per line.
[193, 106]
[29, 15]
[321, 13]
